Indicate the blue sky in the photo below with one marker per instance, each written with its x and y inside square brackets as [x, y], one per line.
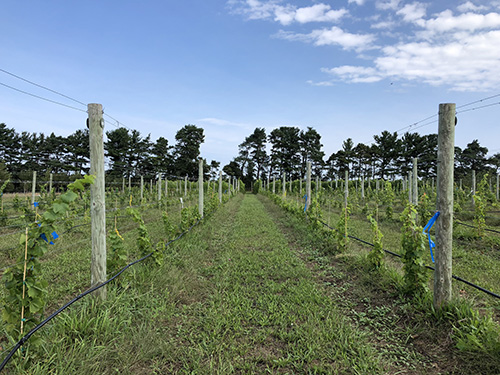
[348, 68]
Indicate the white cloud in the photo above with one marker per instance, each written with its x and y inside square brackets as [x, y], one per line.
[357, 2]
[469, 6]
[387, 5]
[446, 21]
[467, 65]
[383, 25]
[413, 12]
[332, 36]
[458, 51]
[318, 13]
[355, 74]
[287, 14]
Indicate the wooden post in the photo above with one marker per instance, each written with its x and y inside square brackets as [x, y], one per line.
[50, 182]
[346, 188]
[200, 187]
[123, 184]
[142, 189]
[284, 183]
[97, 198]
[415, 182]
[300, 186]
[473, 186]
[498, 185]
[129, 184]
[308, 186]
[444, 224]
[166, 188]
[220, 186]
[410, 186]
[185, 185]
[33, 191]
[363, 187]
[159, 187]
[274, 184]
[150, 186]
[317, 187]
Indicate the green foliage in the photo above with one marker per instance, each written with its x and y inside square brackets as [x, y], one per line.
[424, 210]
[376, 256]
[342, 232]
[256, 187]
[117, 257]
[389, 200]
[34, 246]
[168, 227]
[143, 240]
[413, 244]
[480, 201]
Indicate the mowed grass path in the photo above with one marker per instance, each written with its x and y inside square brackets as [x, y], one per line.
[231, 298]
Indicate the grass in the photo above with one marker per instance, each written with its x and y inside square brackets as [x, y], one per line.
[230, 298]
[250, 290]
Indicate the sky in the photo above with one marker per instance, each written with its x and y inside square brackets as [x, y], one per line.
[347, 68]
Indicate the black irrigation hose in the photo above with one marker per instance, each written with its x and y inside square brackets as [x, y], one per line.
[471, 226]
[428, 267]
[61, 309]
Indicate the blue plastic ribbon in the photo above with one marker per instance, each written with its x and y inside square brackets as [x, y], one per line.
[427, 230]
[54, 235]
[35, 204]
[305, 197]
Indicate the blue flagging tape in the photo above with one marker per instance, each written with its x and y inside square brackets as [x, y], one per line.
[427, 230]
[54, 236]
[305, 207]
[35, 204]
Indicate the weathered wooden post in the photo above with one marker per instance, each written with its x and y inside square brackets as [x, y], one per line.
[498, 185]
[444, 224]
[346, 188]
[123, 184]
[274, 184]
[185, 185]
[415, 182]
[142, 189]
[97, 197]
[284, 183]
[129, 184]
[200, 187]
[308, 186]
[410, 188]
[220, 186]
[363, 187]
[33, 191]
[50, 182]
[159, 187]
[317, 187]
[473, 186]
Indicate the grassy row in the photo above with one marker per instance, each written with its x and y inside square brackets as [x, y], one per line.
[230, 298]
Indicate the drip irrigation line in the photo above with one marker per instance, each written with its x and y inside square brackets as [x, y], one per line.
[471, 226]
[458, 278]
[25, 338]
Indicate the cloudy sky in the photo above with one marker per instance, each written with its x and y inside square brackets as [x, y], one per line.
[348, 68]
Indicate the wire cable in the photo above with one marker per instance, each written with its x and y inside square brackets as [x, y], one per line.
[489, 292]
[43, 87]
[42, 98]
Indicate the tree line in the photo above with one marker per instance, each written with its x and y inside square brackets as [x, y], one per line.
[128, 154]
[284, 149]
[287, 149]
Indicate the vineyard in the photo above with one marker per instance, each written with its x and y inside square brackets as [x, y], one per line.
[241, 292]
